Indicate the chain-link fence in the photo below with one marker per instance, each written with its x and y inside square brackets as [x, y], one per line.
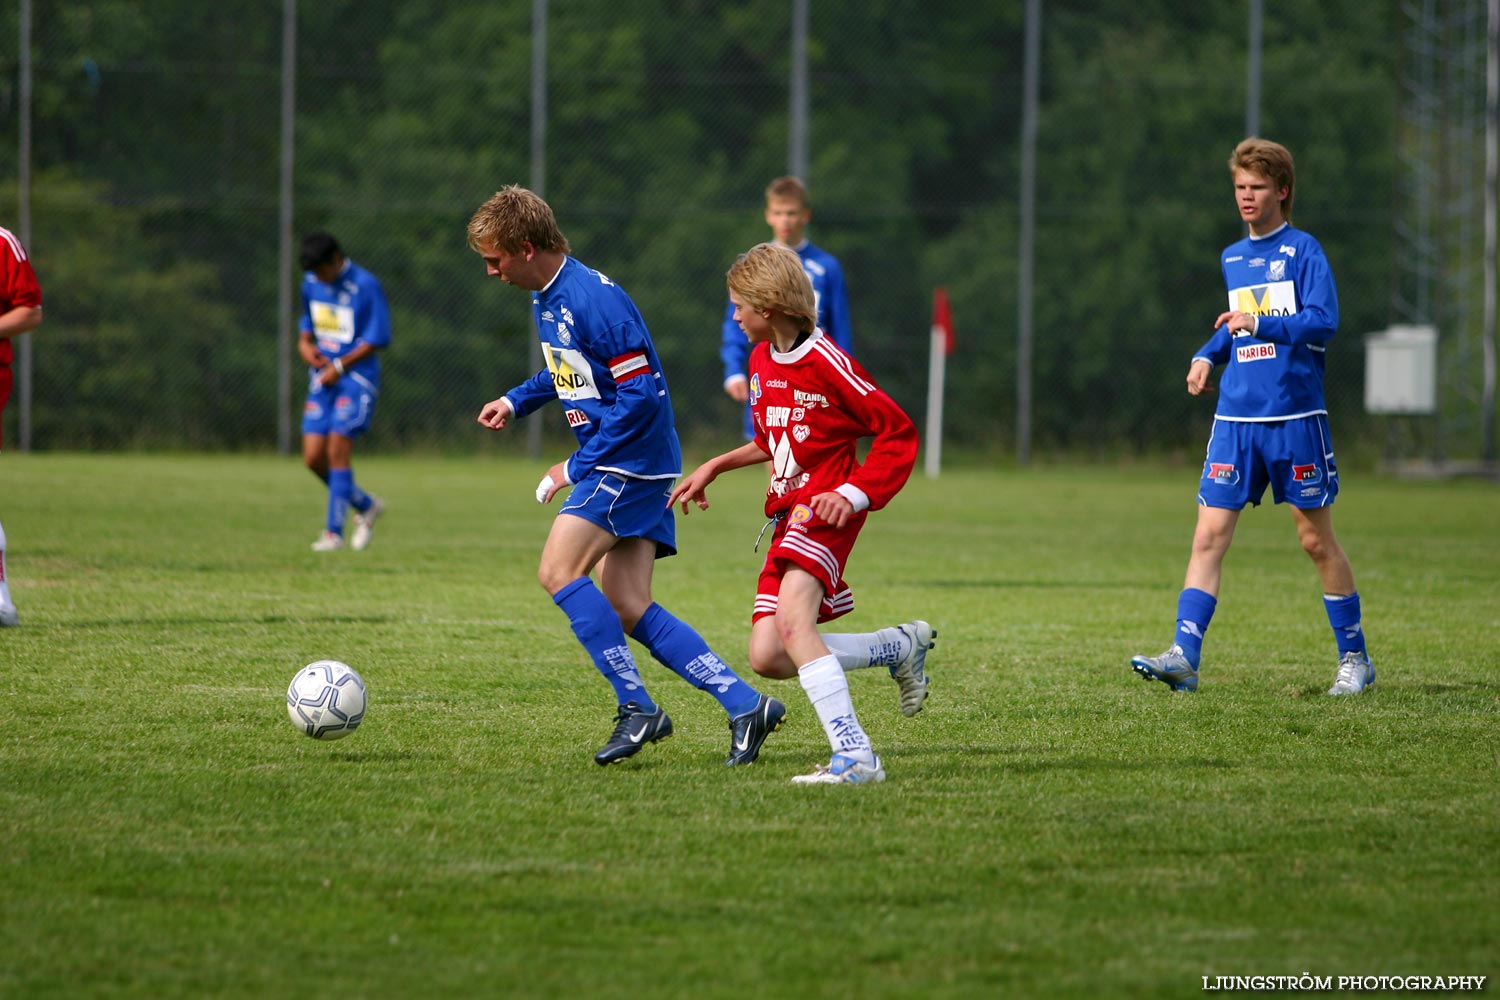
[154, 196]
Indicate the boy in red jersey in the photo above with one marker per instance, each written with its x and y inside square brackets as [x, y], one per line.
[20, 312]
[811, 402]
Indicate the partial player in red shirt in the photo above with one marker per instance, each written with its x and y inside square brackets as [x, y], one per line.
[811, 403]
[20, 312]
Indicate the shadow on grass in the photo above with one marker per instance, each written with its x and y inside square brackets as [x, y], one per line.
[1454, 690]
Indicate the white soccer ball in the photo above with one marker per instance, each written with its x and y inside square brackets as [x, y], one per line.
[326, 700]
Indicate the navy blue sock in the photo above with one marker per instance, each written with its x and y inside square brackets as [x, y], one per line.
[1195, 609]
[598, 628]
[1343, 616]
[676, 646]
[340, 481]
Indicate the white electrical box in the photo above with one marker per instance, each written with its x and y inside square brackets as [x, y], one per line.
[1401, 370]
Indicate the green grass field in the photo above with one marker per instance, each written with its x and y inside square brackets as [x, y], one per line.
[1051, 826]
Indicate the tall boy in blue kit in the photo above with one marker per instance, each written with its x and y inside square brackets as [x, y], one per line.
[788, 211]
[602, 367]
[1271, 425]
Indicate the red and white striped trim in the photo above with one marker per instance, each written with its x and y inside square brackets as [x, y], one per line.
[9, 237]
[842, 602]
[820, 554]
[841, 364]
[628, 366]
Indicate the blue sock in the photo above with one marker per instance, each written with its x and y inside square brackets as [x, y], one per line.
[598, 628]
[676, 646]
[1195, 609]
[340, 482]
[358, 498]
[1343, 615]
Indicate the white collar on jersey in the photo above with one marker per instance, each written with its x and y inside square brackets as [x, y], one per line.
[799, 352]
[554, 276]
[1266, 236]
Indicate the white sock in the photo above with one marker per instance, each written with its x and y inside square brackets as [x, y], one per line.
[858, 650]
[4, 584]
[828, 690]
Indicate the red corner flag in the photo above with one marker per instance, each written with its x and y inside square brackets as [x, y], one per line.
[942, 318]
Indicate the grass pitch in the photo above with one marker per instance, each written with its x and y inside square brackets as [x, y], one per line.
[1052, 825]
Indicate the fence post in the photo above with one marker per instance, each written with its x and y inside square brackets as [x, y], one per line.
[284, 279]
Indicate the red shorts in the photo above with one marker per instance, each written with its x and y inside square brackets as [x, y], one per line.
[804, 540]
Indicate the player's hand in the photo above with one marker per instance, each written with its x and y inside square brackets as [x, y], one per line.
[1238, 322]
[738, 389]
[1197, 378]
[692, 489]
[327, 375]
[555, 479]
[832, 507]
[496, 414]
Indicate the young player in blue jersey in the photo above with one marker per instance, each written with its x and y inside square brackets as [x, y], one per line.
[345, 323]
[1271, 425]
[602, 366]
[788, 212]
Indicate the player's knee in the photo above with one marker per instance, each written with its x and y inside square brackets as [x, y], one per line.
[1209, 541]
[792, 628]
[551, 580]
[1318, 546]
[774, 664]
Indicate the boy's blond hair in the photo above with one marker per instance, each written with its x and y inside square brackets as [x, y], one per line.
[770, 276]
[787, 188]
[1271, 160]
[514, 215]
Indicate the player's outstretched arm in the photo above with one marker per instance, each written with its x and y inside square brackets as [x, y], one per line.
[691, 488]
[496, 414]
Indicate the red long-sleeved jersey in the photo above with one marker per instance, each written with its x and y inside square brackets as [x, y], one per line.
[18, 286]
[810, 406]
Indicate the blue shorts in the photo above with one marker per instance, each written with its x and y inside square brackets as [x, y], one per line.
[1295, 457]
[343, 408]
[627, 508]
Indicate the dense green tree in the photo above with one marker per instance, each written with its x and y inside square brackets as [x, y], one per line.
[157, 146]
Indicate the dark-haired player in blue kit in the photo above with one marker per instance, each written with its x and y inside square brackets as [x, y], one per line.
[602, 366]
[1271, 425]
[788, 211]
[345, 323]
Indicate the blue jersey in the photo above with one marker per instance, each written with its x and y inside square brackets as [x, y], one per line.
[833, 311]
[341, 315]
[1276, 373]
[602, 367]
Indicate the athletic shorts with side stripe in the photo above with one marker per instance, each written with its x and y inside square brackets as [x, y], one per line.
[626, 508]
[344, 408]
[1294, 457]
[804, 540]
